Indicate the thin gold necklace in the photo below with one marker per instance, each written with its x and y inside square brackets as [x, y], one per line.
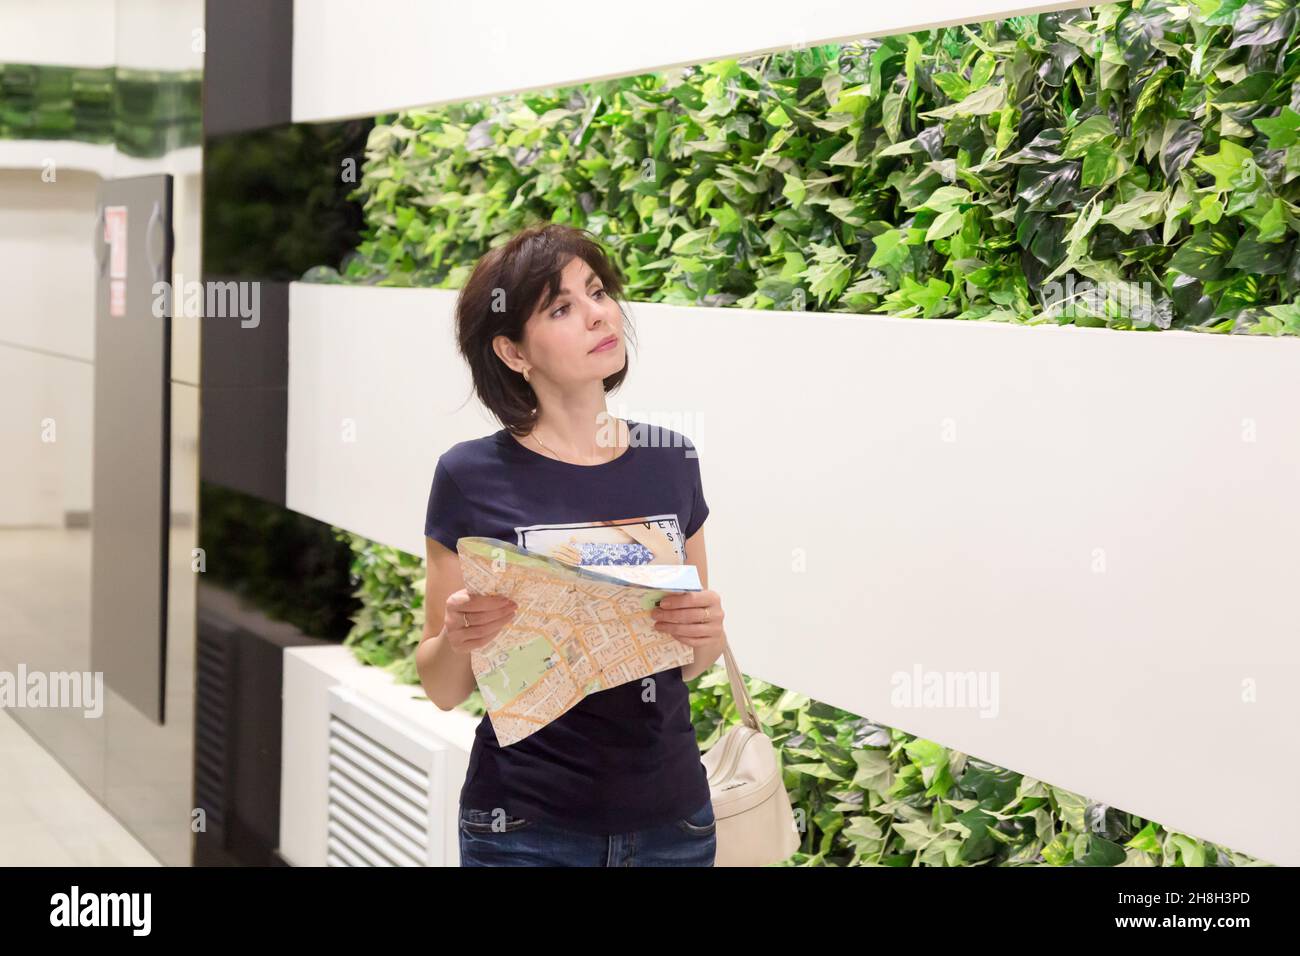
[533, 433]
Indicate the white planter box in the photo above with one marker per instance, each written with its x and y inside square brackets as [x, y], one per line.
[371, 770]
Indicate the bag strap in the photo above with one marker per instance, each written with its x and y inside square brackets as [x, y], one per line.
[739, 693]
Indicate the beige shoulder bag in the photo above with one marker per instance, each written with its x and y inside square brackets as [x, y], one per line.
[755, 820]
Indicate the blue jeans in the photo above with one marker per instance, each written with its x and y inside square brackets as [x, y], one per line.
[515, 841]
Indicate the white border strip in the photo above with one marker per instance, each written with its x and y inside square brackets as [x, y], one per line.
[350, 61]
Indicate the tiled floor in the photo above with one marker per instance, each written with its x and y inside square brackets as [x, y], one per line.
[140, 768]
[48, 819]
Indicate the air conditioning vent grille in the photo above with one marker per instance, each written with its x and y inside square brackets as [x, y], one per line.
[384, 789]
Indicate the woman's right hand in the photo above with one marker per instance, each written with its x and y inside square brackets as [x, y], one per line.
[473, 620]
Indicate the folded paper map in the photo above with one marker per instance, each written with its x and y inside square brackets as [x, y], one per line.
[577, 631]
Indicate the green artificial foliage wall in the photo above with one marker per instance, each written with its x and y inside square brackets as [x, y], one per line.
[147, 113]
[976, 172]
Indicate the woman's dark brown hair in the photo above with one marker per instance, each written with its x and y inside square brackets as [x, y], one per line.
[509, 283]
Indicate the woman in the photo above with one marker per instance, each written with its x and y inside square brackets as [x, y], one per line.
[617, 779]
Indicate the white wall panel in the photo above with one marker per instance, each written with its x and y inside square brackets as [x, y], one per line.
[362, 57]
[67, 33]
[46, 433]
[48, 266]
[160, 34]
[141, 34]
[1105, 520]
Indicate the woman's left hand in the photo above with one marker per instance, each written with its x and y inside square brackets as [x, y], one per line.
[692, 617]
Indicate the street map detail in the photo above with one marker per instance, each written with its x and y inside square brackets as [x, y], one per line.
[577, 631]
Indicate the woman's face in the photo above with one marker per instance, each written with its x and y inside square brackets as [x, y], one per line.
[561, 340]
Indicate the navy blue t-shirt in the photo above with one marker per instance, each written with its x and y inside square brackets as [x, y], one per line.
[613, 762]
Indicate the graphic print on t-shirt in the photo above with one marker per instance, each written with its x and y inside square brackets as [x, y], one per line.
[656, 539]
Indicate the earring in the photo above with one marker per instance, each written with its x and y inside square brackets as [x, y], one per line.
[525, 374]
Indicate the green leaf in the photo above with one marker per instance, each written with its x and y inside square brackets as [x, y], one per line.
[1262, 22]
[1101, 852]
[1137, 32]
[910, 61]
[1205, 255]
[1228, 165]
[1189, 852]
[1151, 90]
[875, 771]
[1094, 130]
[1100, 165]
[890, 251]
[1225, 13]
[900, 149]
[814, 769]
[1288, 316]
[794, 190]
[846, 210]
[1208, 210]
[927, 297]
[854, 100]
[1141, 212]
[892, 115]
[985, 67]
[1260, 258]
[1247, 92]
[945, 225]
[994, 787]
[691, 242]
[1077, 238]
[794, 266]
[1006, 129]
[1180, 141]
[953, 86]
[946, 198]
[1281, 130]
[663, 127]
[989, 99]
[779, 117]
[1049, 185]
[1273, 224]
[1146, 839]
[704, 193]
[926, 753]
